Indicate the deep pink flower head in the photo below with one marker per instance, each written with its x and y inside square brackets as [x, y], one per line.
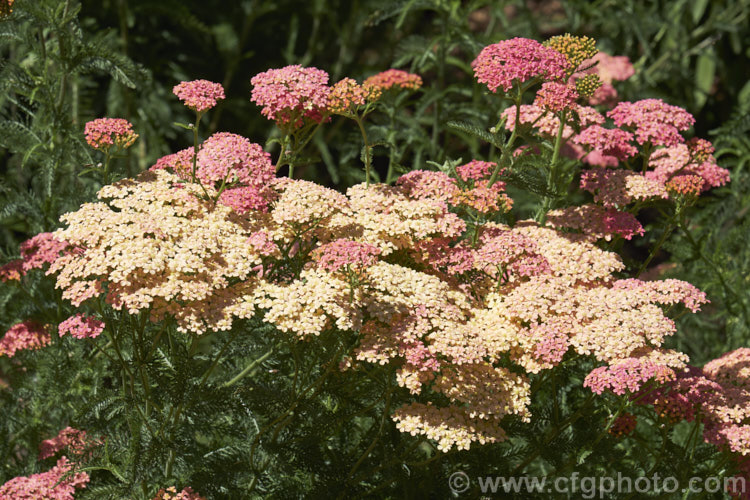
[608, 142]
[343, 254]
[393, 78]
[290, 93]
[104, 133]
[654, 121]
[556, 96]
[199, 95]
[81, 326]
[40, 250]
[231, 158]
[48, 485]
[499, 64]
[28, 335]
[597, 221]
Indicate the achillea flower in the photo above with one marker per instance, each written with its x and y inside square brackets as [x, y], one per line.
[12, 271]
[346, 96]
[518, 59]
[388, 79]
[682, 160]
[42, 249]
[180, 163]
[48, 485]
[685, 186]
[628, 375]
[596, 221]
[305, 205]
[75, 442]
[161, 248]
[346, 254]
[292, 93]
[614, 188]
[623, 425]
[476, 170]
[547, 123]
[171, 493]
[28, 335]
[81, 326]
[610, 142]
[244, 199]
[576, 49]
[421, 184]
[588, 85]
[262, 243]
[556, 96]
[199, 95]
[483, 199]
[226, 158]
[654, 121]
[105, 133]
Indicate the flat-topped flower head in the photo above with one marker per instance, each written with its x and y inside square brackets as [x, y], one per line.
[688, 186]
[58, 483]
[28, 335]
[556, 96]
[346, 254]
[391, 78]
[518, 59]
[654, 121]
[292, 93]
[81, 326]
[346, 96]
[226, 158]
[106, 133]
[576, 49]
[199, 95]
[596, 221]
[608, 141]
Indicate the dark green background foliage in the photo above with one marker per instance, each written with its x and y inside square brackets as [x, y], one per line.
[66, 62]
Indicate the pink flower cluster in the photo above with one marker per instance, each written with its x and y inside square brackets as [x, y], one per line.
[393, 78]
[653, 120]
[56, 484]
[628, 375]
[199, 95]
[74, 441]
[609, 142]
[292, 93]
[28, 335]
[104, 133]
[346, 254]
[620, 187]
[346, 96]
[556, 96]
[226, 158]
[36, 252]
[693, 158]
[518, 59]
[81, 326]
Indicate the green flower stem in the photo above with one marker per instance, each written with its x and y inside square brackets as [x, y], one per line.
[552, 179]
[249, 368]
[198, 117]
[361, 126]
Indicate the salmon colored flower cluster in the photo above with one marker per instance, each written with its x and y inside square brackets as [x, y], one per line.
[58, 483]
[556, 96]
[26, 336]
[199, 95]
[653, 121]
[596, 221]
[345, 254]
[105, 133]
[388, 79]
[346, 96]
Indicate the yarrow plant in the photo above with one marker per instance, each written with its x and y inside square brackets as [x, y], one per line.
[421, 317]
